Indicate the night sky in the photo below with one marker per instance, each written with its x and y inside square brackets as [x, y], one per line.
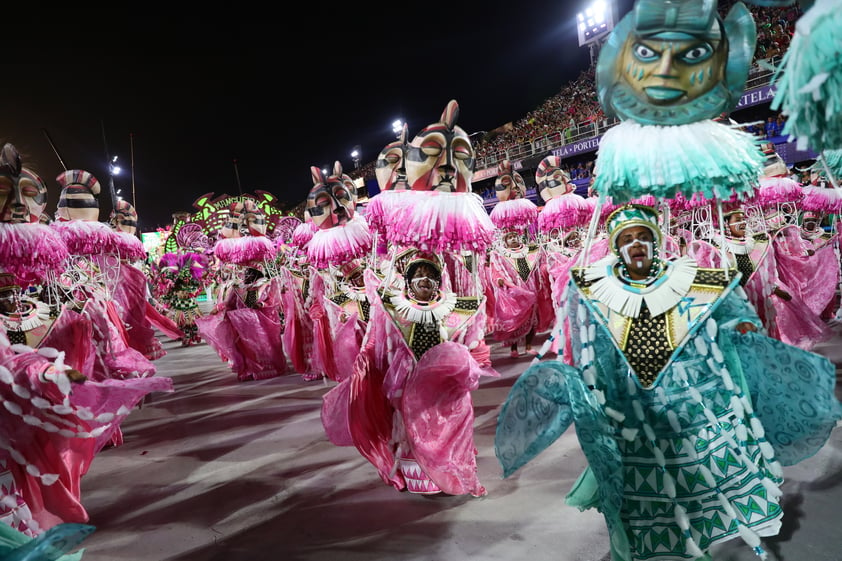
[223, 100]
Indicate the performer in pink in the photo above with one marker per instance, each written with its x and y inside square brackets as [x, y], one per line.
[131, 288]
[785, 317]
[244, 327]
[408, 402]
[343, 239]
[55, 418]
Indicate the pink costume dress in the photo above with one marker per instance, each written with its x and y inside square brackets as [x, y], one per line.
[810, 267]
[53, 428]
[298, 327]
[408, 403]
[129, 295]
[339, 319]
[559, 262]
[524, 302]
[245, 330]
[789, 321]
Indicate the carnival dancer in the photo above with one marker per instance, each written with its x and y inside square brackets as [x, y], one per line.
[45, 374]
[663, 353]
[563, 226]
[131, 287]
[672, 375]
[407, 407]
[784, 314]
[244, 327]
[343, 238]
[523, 297]
[179, 281]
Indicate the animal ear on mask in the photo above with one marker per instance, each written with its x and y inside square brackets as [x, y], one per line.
[450, 114]
[10, 160]
[317, 175]
[337, 168]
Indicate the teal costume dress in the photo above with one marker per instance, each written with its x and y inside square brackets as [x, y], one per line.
[54, 544]
[685, 422]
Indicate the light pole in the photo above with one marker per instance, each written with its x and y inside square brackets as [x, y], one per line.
[397, 127]
[355, 155]
[594, 24]
[113, 169]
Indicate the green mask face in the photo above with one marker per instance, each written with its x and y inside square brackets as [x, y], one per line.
[670, 63]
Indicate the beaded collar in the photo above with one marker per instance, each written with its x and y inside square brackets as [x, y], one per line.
[518, 253]
[24, 319]
[423, 312]
[742, 246]
[661, 294]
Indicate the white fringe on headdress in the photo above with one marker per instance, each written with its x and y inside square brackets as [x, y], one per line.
[821, 199]
[87, 237]
[773, 191]
[438, 221]
[704, 157]
[244, 250]
[338, 245]
[514, 213]
[303, 233]
[129, 246]
[564, 212]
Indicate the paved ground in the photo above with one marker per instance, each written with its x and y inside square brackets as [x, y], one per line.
[228, 470]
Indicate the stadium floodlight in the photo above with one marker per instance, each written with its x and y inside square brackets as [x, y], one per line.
[397, 127]
[595, 22]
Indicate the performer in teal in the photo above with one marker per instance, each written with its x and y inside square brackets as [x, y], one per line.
[684, 408]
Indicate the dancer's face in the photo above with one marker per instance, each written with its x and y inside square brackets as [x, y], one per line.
[635, 244]
[737, 225]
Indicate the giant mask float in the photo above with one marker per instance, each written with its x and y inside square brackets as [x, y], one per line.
[513, 210]
[29, 250]
[667, 70]
[439, 212]
[341, 234]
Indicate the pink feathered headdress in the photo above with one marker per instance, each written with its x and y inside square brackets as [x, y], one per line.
[30, 252]
[247, 250]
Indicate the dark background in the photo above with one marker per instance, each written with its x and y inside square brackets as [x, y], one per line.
[232, 98]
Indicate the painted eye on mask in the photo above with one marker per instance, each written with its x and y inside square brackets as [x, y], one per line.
[697, 54]
[644, 53]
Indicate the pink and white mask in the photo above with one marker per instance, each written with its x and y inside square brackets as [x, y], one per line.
[509, 184]
[389, 167]
[23, 195]
[333, 198]
[440, 157]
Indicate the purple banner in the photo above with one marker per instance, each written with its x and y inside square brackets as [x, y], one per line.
[763, 94]
[580, 147]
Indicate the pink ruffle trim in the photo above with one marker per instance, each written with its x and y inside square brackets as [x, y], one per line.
[515, 213]
[245, 250]
[438, 221]
[338, 245]
[30, 251]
